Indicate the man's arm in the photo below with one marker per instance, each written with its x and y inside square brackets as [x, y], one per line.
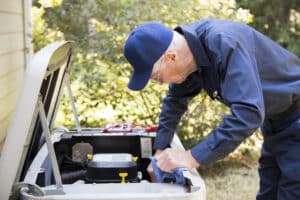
[241, 90]
[174, 105]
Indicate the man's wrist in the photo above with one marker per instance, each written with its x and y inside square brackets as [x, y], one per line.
[157, 152]
[192, 162]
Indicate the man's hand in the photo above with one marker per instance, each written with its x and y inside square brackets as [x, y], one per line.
[150, 169]
[169, 159]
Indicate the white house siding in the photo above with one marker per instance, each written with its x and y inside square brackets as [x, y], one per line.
[14, 24]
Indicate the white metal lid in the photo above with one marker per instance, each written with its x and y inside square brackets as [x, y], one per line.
[43, 77]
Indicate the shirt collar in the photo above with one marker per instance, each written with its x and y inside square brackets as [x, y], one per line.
[195, 45]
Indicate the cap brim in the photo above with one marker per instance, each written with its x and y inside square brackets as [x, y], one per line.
[139, 80]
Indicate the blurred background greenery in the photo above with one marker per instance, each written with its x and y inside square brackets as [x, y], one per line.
[100, 72]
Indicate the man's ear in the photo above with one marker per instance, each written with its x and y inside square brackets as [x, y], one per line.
[171, 55]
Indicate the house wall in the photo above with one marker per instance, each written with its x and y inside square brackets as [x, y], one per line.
[14, 53]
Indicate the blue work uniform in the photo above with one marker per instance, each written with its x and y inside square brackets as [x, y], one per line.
[260, 81]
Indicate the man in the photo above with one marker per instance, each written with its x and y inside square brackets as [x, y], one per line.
[258, 79]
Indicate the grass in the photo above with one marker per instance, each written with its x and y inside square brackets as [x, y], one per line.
[233, 178]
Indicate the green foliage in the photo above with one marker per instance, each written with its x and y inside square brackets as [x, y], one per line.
[42, 34]
[100, 73]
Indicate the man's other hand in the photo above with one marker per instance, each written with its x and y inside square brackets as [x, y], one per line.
[170, 159]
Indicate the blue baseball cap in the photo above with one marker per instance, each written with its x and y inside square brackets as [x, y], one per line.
[144, 46]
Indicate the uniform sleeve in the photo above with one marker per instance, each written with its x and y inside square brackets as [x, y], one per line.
[241, 90]
[174, 106]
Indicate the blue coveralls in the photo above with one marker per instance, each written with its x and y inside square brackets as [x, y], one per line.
[260, 82]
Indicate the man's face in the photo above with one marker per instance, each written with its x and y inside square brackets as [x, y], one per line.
[156, 73]
[168, 69]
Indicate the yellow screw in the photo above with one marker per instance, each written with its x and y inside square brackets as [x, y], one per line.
[89, 156]
[123, 175]
[135, 158]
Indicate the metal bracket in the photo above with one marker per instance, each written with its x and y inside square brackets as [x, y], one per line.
[67, 81]
[31, 189]
[71, 97]
[46, 132]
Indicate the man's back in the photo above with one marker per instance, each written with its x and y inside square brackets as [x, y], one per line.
[278, 69]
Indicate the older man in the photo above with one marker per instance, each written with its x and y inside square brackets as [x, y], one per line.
[233, 63]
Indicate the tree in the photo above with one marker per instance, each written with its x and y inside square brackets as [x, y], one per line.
[100, 72]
